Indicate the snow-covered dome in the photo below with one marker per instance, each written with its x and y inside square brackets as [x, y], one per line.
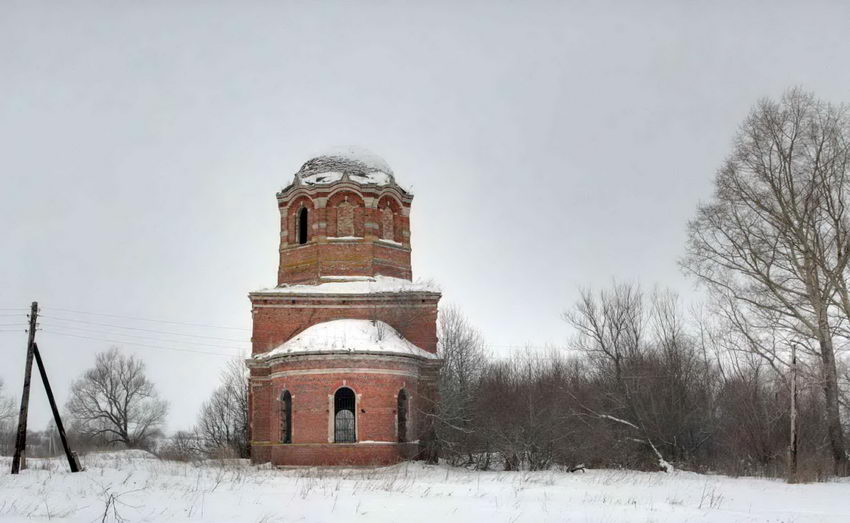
[348, 336]
[359, 164]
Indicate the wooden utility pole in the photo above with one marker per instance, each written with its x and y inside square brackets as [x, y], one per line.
[72, 458]
[19, 460]
[792, 447]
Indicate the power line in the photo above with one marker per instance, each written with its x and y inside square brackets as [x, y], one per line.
[149, 338]
[156, 347]
[73, 320]
[217, 338]
[147, 319]
[311, 339]
[318, 340]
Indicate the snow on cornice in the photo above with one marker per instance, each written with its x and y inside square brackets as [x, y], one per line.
[355, 285]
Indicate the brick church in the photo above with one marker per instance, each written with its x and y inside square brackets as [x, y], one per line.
[344, 363]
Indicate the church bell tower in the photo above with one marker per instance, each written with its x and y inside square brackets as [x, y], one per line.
[344, 362]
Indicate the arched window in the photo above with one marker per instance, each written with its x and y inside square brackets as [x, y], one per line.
[344, 417]
[302, 226]
[401, 412]
[387, 224]
[286, 417]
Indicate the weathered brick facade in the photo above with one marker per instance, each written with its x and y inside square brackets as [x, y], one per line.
[344, 254]
[348, 231]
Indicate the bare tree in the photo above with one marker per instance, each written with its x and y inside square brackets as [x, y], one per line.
[7, 406]
[223, 422]
[115, 401]
[182, 446]
[462, 349]
[773, 244]
[611, 328]
[648, 378]
[7, 416]
[520, 412]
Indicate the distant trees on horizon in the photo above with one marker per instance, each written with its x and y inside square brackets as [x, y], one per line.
[644, 386]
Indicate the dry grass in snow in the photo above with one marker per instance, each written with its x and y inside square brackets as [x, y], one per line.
[135, 486]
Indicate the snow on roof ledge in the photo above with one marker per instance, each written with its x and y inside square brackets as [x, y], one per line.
[348, 336]
[355, 285]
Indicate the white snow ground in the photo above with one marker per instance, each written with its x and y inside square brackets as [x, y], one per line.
[134, 486]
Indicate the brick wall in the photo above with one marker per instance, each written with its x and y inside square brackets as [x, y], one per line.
[362, 454]
[312, 382]
[277, 318]
[369, 255]
[377, 214]
[327, 256]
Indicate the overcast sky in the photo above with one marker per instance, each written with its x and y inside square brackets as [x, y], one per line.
[550, 146]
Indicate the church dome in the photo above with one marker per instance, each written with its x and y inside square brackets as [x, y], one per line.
[358, 164]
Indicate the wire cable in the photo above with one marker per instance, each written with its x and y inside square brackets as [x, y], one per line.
[206, 325]
[156, 347]
[218, 338]
[73, 320]
[146, 338]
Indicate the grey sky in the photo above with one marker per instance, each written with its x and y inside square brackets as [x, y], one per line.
[549, 145]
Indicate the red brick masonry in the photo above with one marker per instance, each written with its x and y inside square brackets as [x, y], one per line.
[380, 245]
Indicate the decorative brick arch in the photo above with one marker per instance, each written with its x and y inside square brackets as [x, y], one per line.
[293, 211]
[346, 385]
[345, 214]
[389, 222]
[345, 219]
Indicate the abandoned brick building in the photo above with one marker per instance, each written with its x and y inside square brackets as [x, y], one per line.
[344, 363]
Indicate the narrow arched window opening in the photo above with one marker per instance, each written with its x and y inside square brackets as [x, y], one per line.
[302, 226]
[286, 417]
[344, 417]
[401, 411]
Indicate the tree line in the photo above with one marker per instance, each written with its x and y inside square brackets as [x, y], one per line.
[644, 385]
